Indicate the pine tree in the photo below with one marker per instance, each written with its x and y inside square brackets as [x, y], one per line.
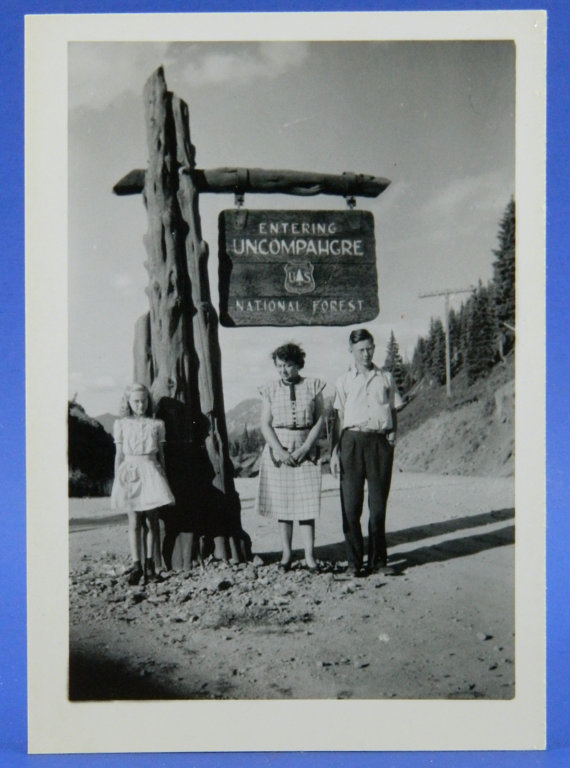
[436, 350]
[244, 441]
[394, 363]
[455, 349]
[504, 268]
[408, 377]
[420, 359]
[464, 324]
[482, 331]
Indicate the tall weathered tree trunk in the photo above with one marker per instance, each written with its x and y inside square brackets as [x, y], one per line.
[177, 350]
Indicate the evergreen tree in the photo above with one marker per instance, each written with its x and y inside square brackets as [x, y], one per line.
[408, 377]
[420, 359]
[464, 324]
[455, 347]
[482, 331]
[436, 350]
[244, 441]
[504, 268]
[394, 362]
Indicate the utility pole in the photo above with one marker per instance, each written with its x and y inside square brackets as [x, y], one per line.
[447, 293]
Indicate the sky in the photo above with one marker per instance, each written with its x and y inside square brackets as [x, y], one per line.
[436, 118]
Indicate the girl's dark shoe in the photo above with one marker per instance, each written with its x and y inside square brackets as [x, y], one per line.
[284, 567]
[135, 574]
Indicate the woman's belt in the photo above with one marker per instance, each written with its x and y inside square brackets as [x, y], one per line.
[295, 427]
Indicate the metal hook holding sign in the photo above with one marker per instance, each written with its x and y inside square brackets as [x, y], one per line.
[349, 189]
[239, 195]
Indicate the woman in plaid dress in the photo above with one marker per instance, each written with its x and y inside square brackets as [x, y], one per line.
[290, 474]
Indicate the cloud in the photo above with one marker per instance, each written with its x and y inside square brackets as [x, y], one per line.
[102, 73]
[239, 63]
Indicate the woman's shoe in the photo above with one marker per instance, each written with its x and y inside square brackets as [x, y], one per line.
[284, 567]
[149, 572]
[313, 568]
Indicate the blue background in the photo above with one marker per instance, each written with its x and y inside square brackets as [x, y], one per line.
[13, 729]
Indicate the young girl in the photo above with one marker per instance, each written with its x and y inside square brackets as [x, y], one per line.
[140, 486]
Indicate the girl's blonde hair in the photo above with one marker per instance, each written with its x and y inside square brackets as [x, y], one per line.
[125, 409]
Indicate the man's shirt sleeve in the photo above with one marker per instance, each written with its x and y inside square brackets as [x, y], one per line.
[396, 400]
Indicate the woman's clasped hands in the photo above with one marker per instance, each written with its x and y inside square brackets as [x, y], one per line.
[286, 457]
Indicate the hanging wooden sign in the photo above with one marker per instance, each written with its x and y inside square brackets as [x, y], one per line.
[297, 267]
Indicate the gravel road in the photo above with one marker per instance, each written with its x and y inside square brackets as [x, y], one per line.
[443, 627]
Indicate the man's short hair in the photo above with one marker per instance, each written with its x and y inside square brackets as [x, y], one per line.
[360, 334]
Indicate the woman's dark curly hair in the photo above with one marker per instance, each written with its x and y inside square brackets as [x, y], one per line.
[289, 353]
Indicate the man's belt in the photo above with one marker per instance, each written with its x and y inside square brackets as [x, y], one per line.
[369, 431]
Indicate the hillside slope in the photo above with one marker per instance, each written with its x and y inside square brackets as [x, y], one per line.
[471, 434]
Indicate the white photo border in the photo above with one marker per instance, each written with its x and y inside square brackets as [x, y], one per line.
[58, 725]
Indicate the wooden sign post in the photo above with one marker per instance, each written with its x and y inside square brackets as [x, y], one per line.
[176, 350]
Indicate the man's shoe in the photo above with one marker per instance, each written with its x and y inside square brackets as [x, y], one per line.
[353, 572]
[383, 570]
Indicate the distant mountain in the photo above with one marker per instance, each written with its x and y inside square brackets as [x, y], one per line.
[107, 420]
[247, 413]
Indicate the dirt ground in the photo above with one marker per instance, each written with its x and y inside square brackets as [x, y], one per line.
[443, 627]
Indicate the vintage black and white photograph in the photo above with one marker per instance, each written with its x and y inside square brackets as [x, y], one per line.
[293, 331]
[314, 498]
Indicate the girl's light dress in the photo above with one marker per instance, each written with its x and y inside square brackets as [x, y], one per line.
[290, 493]
[140, 484]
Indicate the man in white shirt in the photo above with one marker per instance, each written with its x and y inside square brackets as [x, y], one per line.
[366, 403]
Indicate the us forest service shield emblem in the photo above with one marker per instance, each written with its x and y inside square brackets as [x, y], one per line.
[288, 268]
[299, 277]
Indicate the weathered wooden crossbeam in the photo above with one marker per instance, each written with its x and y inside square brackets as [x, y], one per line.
[258, 180]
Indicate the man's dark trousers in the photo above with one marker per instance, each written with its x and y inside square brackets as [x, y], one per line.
[365, 456]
